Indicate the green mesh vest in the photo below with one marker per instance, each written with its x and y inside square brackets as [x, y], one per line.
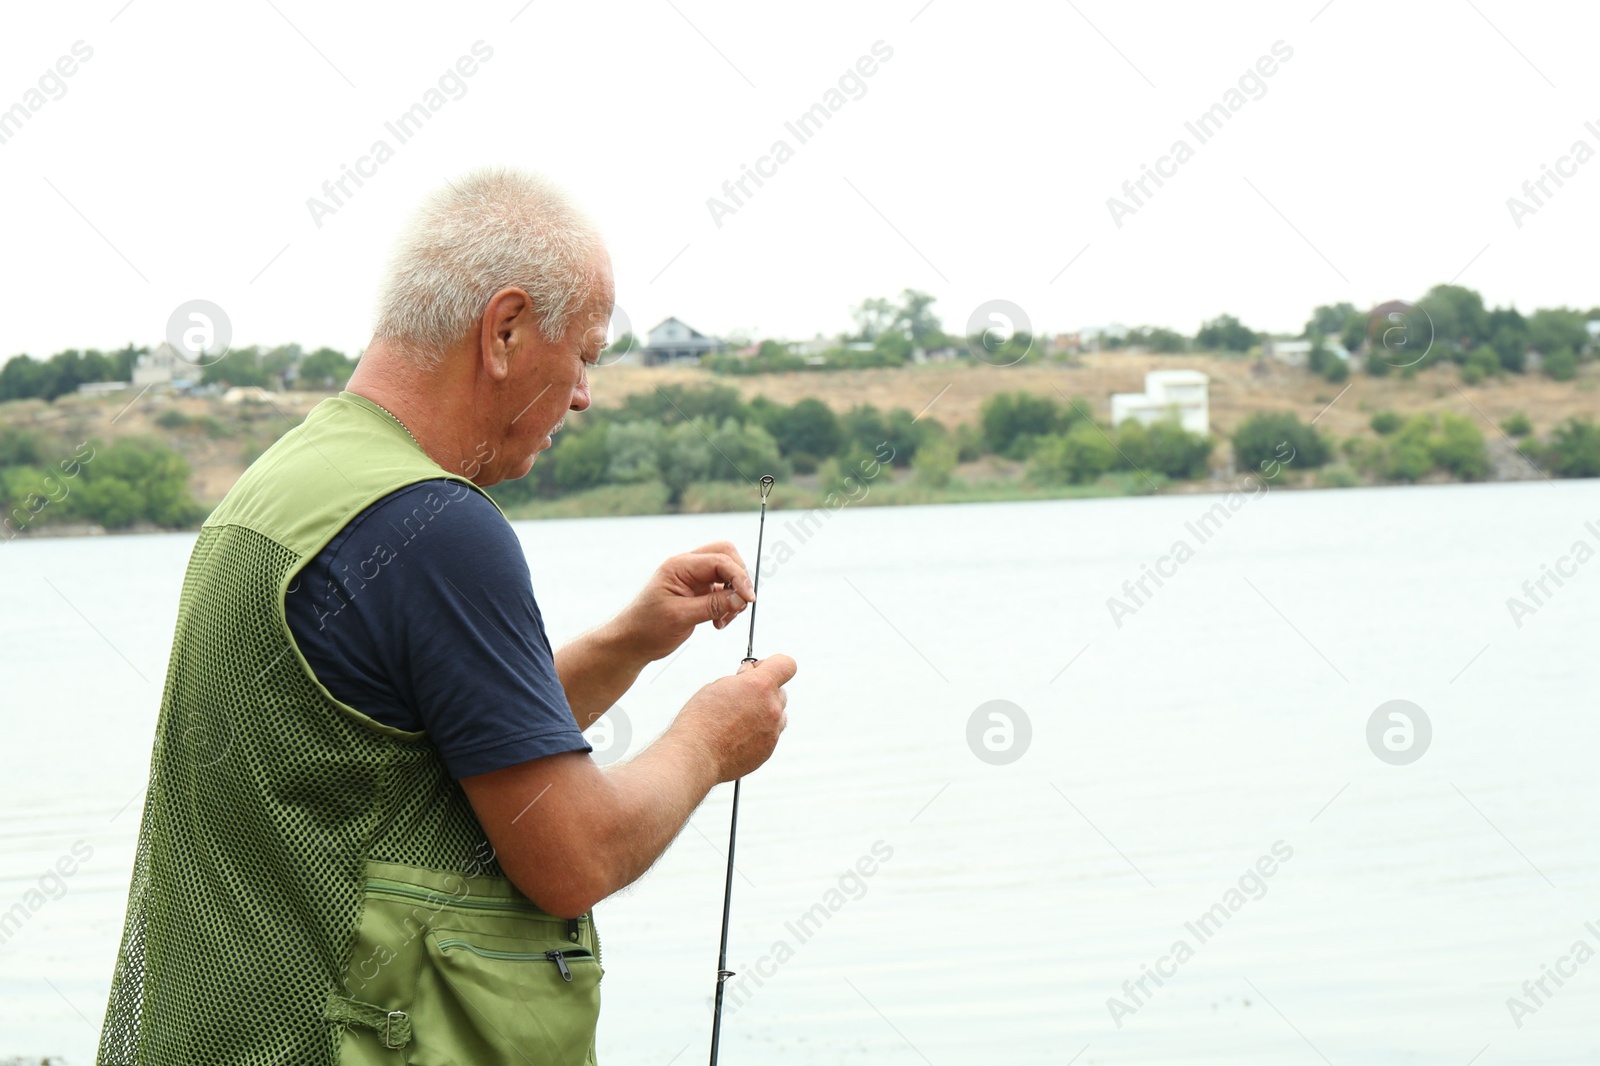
[311, 887]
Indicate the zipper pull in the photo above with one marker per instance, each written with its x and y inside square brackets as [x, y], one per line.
[561, 962]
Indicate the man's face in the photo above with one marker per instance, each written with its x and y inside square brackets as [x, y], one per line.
[549, 380]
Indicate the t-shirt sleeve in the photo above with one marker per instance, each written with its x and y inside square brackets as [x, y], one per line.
[421, 614]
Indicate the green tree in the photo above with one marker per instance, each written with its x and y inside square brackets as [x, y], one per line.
[684, 456]
[1508, 336]
[276, 363]
[1561, 364]
[325, 368]
[743, 450]
[1458, 316]
[1329, 319]
[634, 450]
[24, 378]
[1557, 329]
[580, 458]
[1354, 333]
[1225, 334]
[136, 479]
[809, 427]
[915, 319]
[873, 317]
[1011, 421]
[624, 344]
[239, 367]
[1157, 339]
[667, 404]
[864, 425]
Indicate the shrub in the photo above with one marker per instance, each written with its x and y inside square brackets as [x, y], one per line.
[740, 451]
[1574, 449]
[1270, 439]
[1561, 365]
[1009, 419]
[969, 442]
[1483, 361]
[1385, 422]
[1458, 448]
[1073, 458]
[1517, 425]
[19, 447]
[172, 418]
[935, 463]
[1163, 448]
[1337, 476]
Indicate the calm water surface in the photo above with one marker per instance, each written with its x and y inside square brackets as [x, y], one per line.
[1005, 904]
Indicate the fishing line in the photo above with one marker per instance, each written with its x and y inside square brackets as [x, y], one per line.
[723, 973]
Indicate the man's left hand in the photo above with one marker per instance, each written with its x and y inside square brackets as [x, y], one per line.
[709, 584]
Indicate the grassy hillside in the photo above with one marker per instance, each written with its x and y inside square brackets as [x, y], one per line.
[219, 440]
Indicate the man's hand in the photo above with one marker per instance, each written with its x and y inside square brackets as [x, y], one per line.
[569, 834]
[709, 584]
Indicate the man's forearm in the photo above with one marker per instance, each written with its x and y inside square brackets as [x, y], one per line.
[595, 670]
[652, 797]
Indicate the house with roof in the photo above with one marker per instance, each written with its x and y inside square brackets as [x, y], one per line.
[673, 341]
[165, 365]
[1180, 395]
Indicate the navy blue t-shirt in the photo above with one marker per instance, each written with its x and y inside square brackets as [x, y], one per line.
[420, 614]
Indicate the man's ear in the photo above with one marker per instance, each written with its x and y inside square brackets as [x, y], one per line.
[506, 325]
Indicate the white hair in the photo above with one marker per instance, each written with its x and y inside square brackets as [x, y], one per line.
[493, 229]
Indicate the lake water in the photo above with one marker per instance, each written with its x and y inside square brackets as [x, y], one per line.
[1007, 901]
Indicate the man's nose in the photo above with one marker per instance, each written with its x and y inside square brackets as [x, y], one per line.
[580, 395]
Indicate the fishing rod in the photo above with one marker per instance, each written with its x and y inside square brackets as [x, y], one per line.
[723, 973]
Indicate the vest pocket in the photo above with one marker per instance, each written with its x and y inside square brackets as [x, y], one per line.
[495, 999]
[445, 970]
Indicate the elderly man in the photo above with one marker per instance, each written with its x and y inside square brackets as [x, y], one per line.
[373, 832]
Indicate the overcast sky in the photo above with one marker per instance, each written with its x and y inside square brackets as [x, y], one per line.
[974, 162]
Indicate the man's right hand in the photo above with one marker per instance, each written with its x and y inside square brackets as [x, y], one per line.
[738, 718]
[569, 834]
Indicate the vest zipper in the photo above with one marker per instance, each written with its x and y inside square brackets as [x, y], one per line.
[397, 888]
[556, 956]
[384, 887]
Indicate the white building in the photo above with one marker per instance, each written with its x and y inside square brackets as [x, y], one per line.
[1094, 337]
[1179, 395]
[164, 366]
[1298, 352]
[674, 341]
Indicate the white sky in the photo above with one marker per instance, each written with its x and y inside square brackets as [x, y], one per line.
[976, 166]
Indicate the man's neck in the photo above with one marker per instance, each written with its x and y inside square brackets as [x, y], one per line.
[419, 399]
